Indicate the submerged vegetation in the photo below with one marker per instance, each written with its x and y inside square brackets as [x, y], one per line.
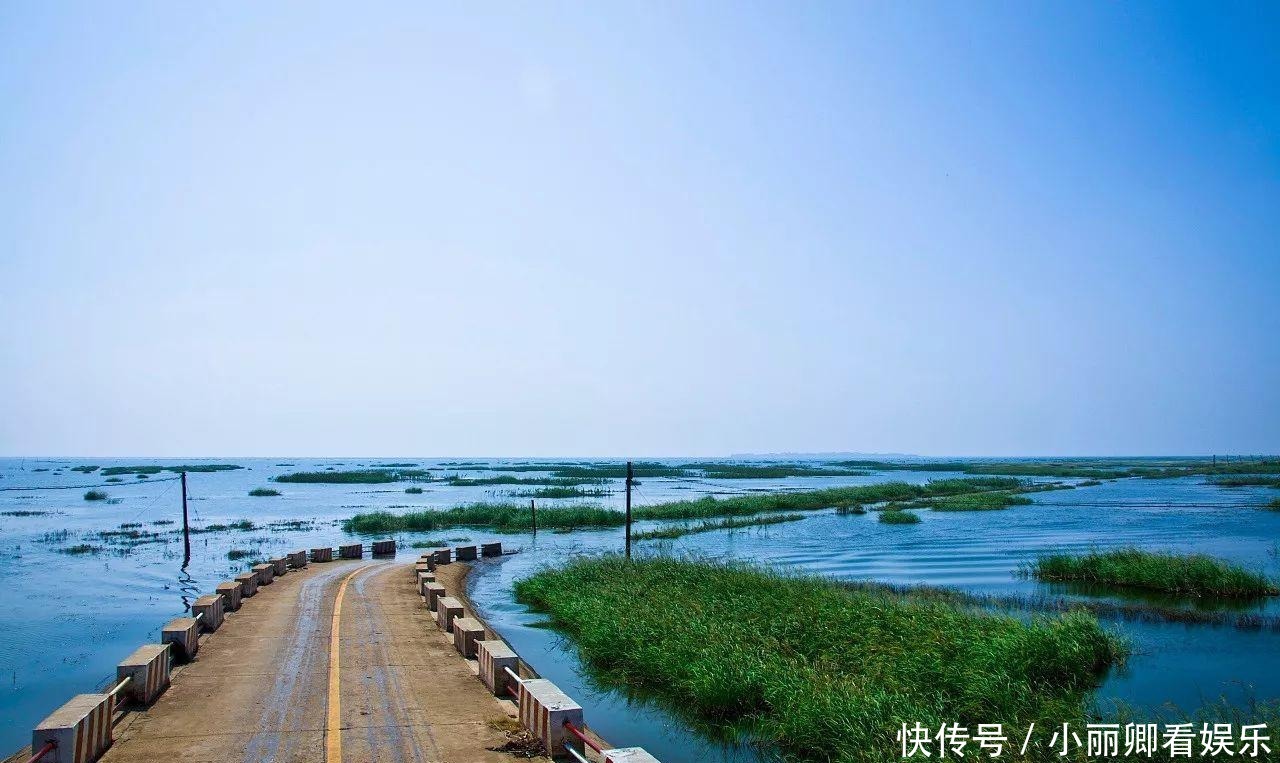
[356, 477]
[81, 548]
[1191, 574]
[668, 533]
[833, 673]
[263, 492]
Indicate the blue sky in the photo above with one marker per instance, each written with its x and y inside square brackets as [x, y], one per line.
[639, 229]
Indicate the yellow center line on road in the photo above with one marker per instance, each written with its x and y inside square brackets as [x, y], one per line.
[333, 725]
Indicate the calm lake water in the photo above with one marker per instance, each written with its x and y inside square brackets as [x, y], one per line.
[67, 619]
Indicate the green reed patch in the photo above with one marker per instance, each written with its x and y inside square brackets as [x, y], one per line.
[96, 495]
[413, 490]
[1190, 574]
[502, 517]
[437, 542]
[111, 471]
[821, 672]
[716, 470]
[263, 492]
[81, 548]
[899, 517]
[86, 469]
[236, 554]
[356, 476]
[668, 533]
[974, 502]
[567, 492]
[1256, 480]
[506, 479]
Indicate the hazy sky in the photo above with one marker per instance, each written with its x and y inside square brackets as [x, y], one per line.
[970, 228]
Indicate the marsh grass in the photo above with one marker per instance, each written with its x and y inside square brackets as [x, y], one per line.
[831, 675]
[356, 476]
[438, 542]
[237, 554]
[899, 517]
[511, 517]
[567, 492]
[974, 502]
[95, 495]
[1274, 504]
[1246, 481]
[112, 471]
[1188, 574]
[714, 470]
[502, 517]
[81, 548]
[84, 469]
[263, 492]
[413, 490]
[668, 533]
[506, 479]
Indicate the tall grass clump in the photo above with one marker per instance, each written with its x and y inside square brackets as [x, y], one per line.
[976, 502]
[831, 675]
[263, 492]
[899, 517]
[502, 517]
[96, 495]
[413, 490]
[1192, 574]
[355, 476]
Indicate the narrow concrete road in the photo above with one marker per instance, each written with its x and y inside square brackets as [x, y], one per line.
[273, 684]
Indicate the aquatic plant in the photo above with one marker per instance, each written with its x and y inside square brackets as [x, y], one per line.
[1246, 481]
[81, 548]
[505, 479]
[413, 490]
[1192, 574]
[263, 492]
[715, 470]
[975, 502]
[152, 469]
[84, 469]
[95, 495]
[113, 479]
[567, 492]
[668, 533]
[238, 553]
[502, 517]
[831, 674]
[899, 517]
[437, 542]
[356, 477]
[1274, 505]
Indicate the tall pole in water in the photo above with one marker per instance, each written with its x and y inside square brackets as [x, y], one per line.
[630, 474]
[186, 526]
[533, 514]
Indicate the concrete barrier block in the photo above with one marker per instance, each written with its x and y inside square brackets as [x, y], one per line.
[433, 592]
[423, 579]
[209, 608]
[627, 755]
[490, 549]
[442, 556]
[351, 551]
[280, 565]
[466, 553]
[230, 593]
[448, 609]
[265, 572]
[297, 559]
[322, 555]
[184, 634]
[466, 632]
[384, 548]
[148, 672]
[543, 711]
[421, 566]
[248, 584]
[81, 729]
[493, 656]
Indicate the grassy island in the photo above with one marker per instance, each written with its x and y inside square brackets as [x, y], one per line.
[1192, 574]
[812, 668]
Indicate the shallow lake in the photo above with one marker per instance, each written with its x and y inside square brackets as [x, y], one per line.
[68, 618]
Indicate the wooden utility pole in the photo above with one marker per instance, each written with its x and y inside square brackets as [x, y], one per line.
[533, 512]
[186, 525]
[630, 474]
